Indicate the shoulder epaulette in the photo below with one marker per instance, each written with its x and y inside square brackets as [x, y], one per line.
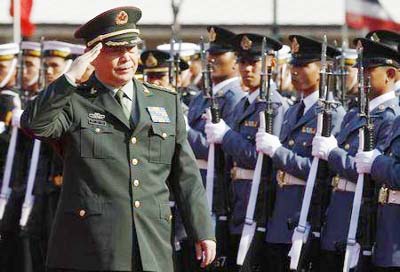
[165, 89]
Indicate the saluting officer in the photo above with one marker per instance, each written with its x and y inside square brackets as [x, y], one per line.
[291, 152]
[237, 134]
[121, 140]
[340, 151]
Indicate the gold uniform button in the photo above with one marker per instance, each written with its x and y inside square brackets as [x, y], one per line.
[347, 147]
[97, 130]
[135, 161]
[137, 204]
[164, 135]
[136, 183]
[82, 213]
[291, 142]
[133, 140]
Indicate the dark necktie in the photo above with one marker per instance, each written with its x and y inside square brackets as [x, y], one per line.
[301, 111]
[246, 104]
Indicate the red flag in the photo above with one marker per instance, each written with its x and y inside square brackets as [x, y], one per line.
[369, 14]
[27, 28]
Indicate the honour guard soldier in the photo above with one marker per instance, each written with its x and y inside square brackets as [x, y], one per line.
[227, 92]
[31, 61]
[391, 39]
[382, 164]
[121, 140]
[156, 67]
[237, 135]
[380, 66]
[291, 152]
[351, 86]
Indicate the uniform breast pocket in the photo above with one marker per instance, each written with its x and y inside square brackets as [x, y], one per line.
[94, 141]
[162, 143]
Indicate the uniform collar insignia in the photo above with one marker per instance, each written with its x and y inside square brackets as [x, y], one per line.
[246, 43]
[212, 35]
[121, 18]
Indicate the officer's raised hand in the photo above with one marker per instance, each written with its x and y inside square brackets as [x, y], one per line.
[80, 64]
[205, 251]
[267, 143]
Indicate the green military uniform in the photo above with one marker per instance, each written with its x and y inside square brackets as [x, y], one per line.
[115, 175]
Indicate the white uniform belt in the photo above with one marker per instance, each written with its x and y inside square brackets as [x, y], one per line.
[285, 179]
[388, 196]
[202, 164]
[344, 185]
[241, 173]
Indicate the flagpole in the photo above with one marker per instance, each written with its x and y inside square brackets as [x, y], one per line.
[17, 21]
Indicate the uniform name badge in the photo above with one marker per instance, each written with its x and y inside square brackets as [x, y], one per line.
[158, 115]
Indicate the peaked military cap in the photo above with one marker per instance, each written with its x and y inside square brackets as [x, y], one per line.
[156, 61]
[57, 49]
[350, 56]
[283, 55]
[30, 49]
[114, 27]
[220, 40]
[389, 38]
[186, 50]
[377, 54]
[306, 50]
[248, 45]
[8, 51]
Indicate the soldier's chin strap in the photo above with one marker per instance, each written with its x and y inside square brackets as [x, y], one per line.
[10, 73]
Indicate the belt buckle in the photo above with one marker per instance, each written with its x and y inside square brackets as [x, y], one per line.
[233, 173]
[335, 182]
[281, 178]
[383, 195]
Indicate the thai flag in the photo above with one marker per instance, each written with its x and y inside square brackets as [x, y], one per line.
[373, 14]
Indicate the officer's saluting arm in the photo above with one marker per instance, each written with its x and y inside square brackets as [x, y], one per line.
[187, 185]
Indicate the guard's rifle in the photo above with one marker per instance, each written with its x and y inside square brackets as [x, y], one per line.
[342, 77]
[29, 197]
[219, 208]
[42, 69]
[364, 205]
[253, 234]
[304, 246]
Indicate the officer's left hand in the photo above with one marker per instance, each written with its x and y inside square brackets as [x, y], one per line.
[205, 251]
[216, 132]
[365, 159]
[267, 143]
[322, 146]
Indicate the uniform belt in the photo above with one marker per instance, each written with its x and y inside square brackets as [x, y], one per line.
[202, 164]
[388, 196]
[241, 173]
[344, 185]
[285, 179]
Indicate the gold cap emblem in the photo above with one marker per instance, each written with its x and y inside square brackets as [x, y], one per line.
[122, 18]
[294, 46]
[246, 43]
[212, 35]
[151, 61]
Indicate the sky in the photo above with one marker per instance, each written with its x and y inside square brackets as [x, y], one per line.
[229, 12]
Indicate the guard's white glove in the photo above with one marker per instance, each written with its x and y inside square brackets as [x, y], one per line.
[81, 63]
[216, 132]
[186, 122]
[322, 146]
[365, 159]
[16, 117]
[267, 143]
